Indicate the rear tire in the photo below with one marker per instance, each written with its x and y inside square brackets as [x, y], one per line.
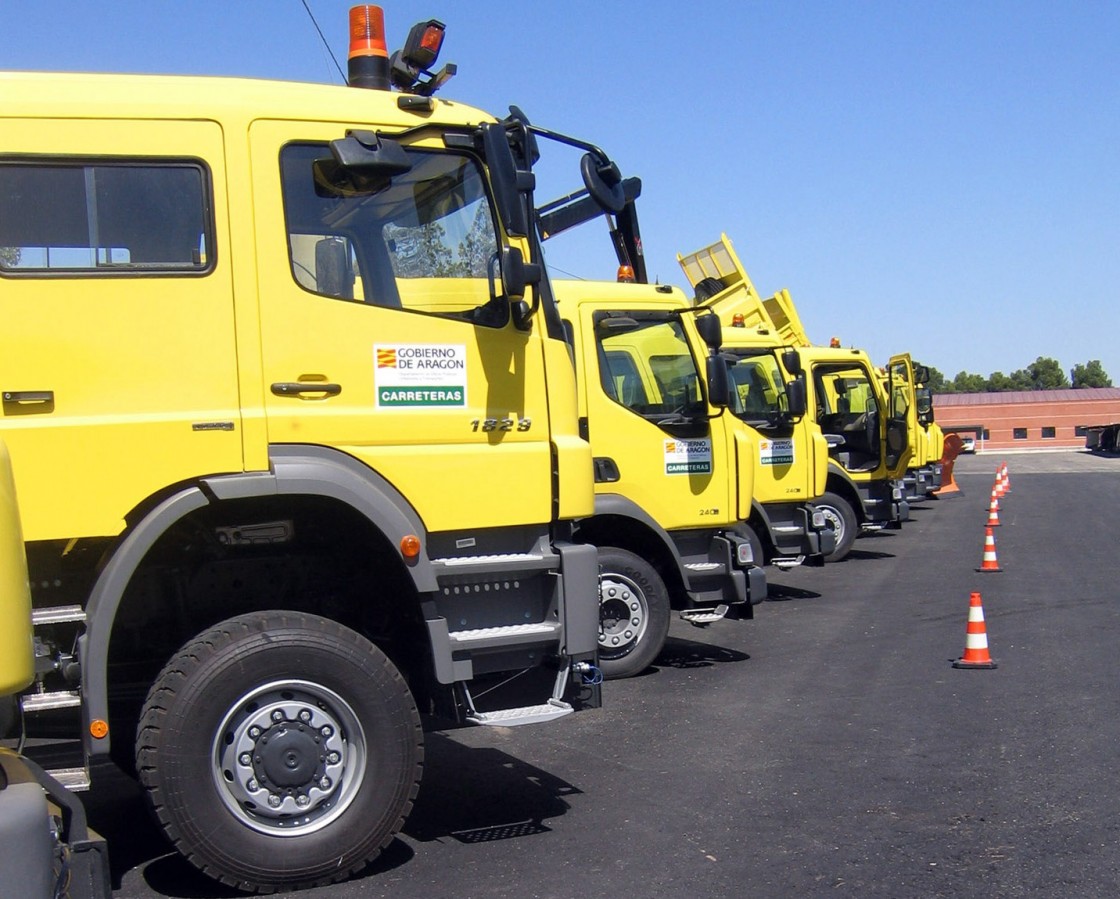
[839, 513]
[633, 613]
[280, 750]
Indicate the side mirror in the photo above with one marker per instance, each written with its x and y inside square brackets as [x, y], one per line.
[603, 181]
[791, 359]
[925, 401]
[921, 374]
[334, 275]
[517, 274]
[719, 380]
[711, 331]
[797, 397]
[507, 181]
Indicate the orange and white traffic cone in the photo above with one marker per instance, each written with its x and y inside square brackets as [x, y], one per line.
[989, 562]
[997, 487]
[1005, 481]
[976, 653]
[993, 511]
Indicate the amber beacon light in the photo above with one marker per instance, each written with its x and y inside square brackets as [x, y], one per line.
[368, 62]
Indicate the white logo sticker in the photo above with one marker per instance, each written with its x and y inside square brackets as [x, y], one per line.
[420, 375]
[688, 456]
[776, 452]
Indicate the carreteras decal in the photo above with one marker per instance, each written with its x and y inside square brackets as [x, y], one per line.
[776, 452]
[420, 375]
[688, 456]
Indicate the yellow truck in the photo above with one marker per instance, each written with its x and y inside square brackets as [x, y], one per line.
[863, 422]
[293, 421]
[936, 454]
[692, 495]
[46, 849]
[652, 395]
[923, 471]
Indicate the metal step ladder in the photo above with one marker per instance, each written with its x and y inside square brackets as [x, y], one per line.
[554, 708]
[74, 778]
[700, 617]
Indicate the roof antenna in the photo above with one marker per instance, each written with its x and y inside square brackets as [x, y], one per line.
[341, 74]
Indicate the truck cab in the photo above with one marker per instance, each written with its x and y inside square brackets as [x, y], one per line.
[293, 422]
[652, 394]
[863, 422]
[780, 443]
[923, 470]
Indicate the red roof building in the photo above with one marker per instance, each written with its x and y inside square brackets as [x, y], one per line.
[1028, 419]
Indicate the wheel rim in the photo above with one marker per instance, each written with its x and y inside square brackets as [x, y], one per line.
[623, 615]
[289, 757]
[833, 517]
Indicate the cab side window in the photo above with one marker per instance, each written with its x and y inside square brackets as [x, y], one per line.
[63, 217]
[422, 241]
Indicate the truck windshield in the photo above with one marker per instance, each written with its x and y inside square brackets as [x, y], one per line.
[758, 390]
[648, 367]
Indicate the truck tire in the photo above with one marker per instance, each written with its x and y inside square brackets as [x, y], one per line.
[280, 750]
[839, 513]
[633, 613]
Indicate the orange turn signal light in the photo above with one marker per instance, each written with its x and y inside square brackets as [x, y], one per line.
[410, 546]
[98, 729]
[738, 320]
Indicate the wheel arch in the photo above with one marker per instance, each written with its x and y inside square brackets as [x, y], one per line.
[621, 522]
[297, 471]
[842, 485]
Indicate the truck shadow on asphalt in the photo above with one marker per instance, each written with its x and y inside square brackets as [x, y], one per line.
[469, 794]
[481, 794]
[681, 653]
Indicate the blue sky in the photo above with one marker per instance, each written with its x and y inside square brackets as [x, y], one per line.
[939, 178]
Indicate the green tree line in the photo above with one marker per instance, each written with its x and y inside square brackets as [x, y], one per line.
[1042, 374]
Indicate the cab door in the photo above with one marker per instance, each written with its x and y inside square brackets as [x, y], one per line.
[377, 338]
[648, 419]
[118, 369]
[901, 433]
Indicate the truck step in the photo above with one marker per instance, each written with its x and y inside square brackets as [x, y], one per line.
[530, 714]
[786, 562]
[485, 637]
[704, 567]
[702, 617]
[43, 702]
[76, 780]
[499, 563]
[57, 615]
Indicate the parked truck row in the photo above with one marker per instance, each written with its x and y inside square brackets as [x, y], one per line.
[309, 452]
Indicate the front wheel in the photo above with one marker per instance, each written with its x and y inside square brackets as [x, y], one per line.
[838, 512]
[280, 750]
[633, 613]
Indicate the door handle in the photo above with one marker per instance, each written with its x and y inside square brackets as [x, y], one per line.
[299, 388]
[28, 396]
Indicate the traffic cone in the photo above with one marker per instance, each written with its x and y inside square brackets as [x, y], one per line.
[989, 562]
[998, 486]
[976, 653]
[993, 511]
[1005, 481]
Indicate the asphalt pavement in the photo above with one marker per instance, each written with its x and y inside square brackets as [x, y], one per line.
[826, 748]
